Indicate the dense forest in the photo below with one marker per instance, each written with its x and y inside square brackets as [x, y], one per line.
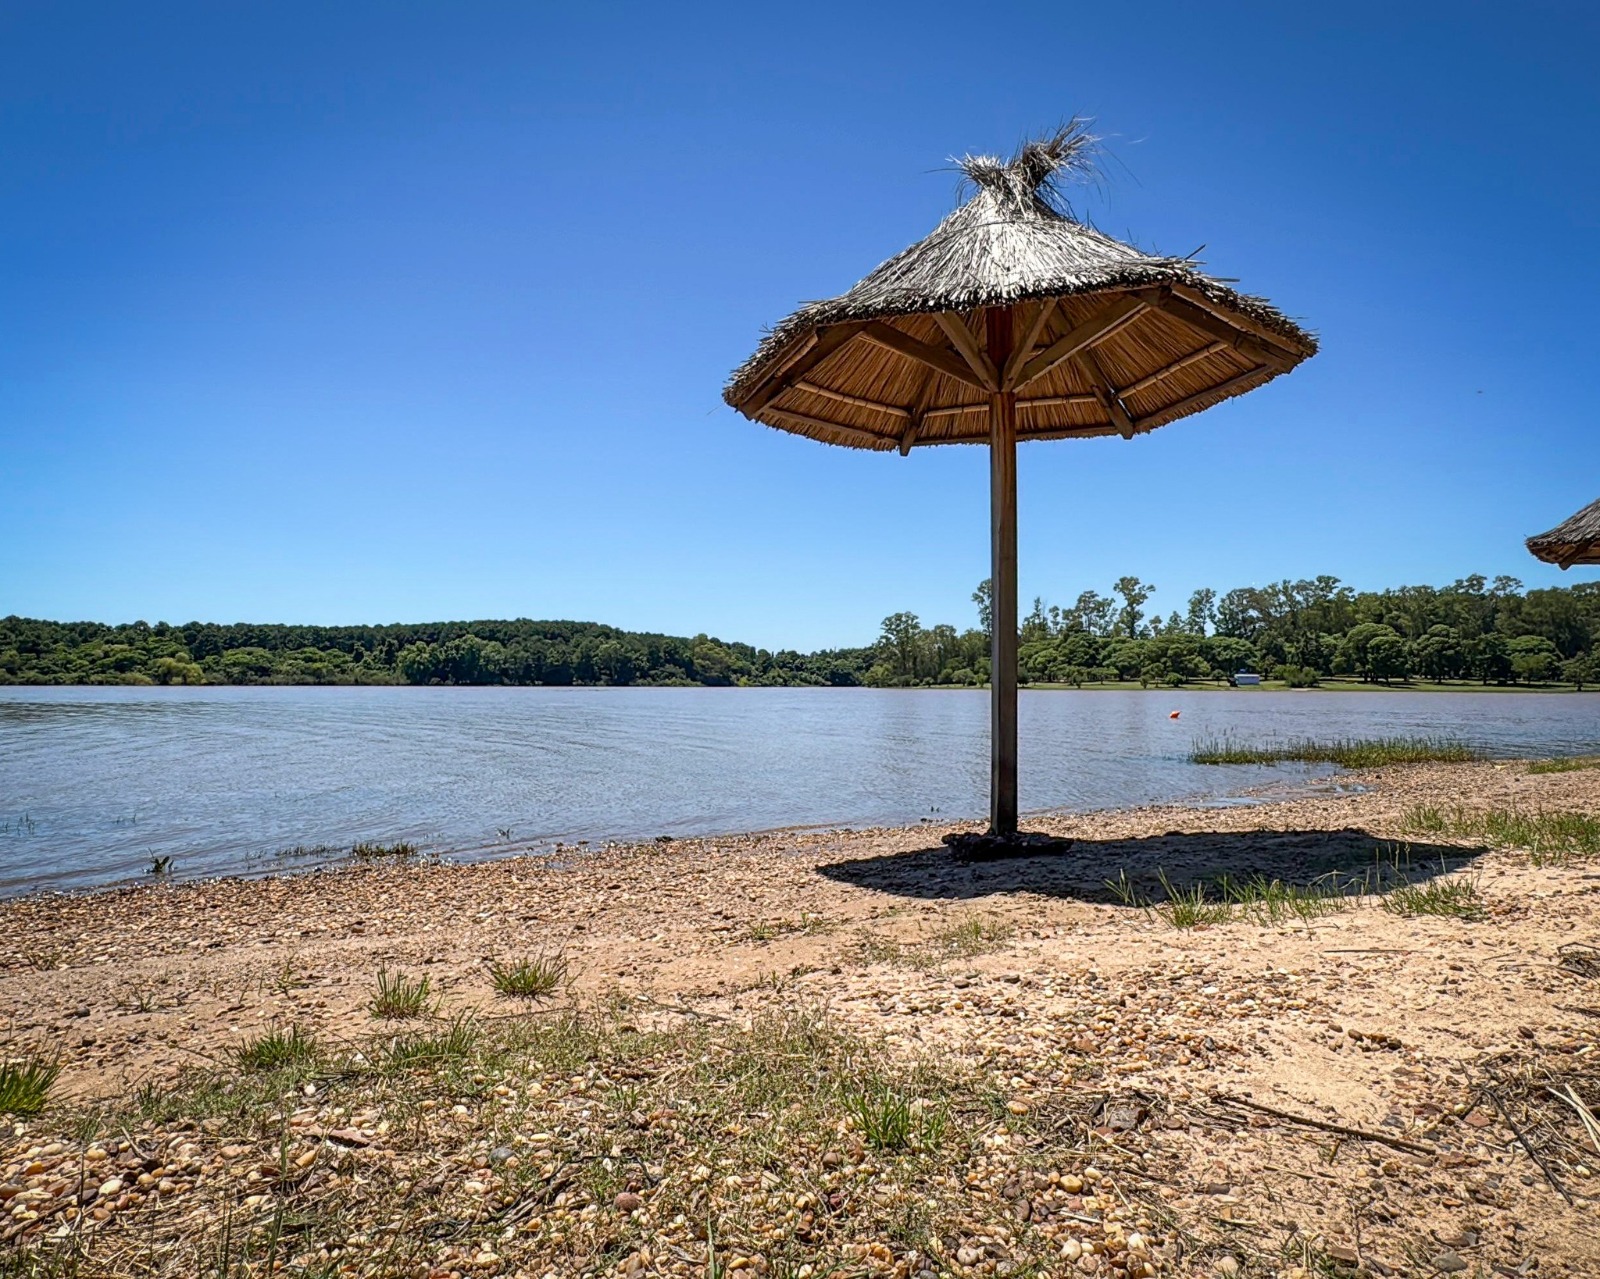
[1300, 632]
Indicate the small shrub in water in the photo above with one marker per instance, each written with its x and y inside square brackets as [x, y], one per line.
[368, 852]
[1347, 752]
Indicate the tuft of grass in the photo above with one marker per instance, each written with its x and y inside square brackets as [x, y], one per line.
[884, 1117]
[1551, 838]
[1191, 907]
[971, 937]
[960, 940]
[277, 1048]
[1263, 900]
[43, 960]
[1570, 764]
[1275, 902]
[25, 1083]
[398, 997]
[890, 1118]
[455, 1042]
[1347, 752]
[295, 851]
[1449, 898]
[368, 852]
[533, 977]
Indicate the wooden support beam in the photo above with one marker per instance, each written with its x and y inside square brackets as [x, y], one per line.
[854, 434]
[1095, 329]
[828, 341]
[1182, 406]
[1024, 348]
[839, 397]
[955, 328]
[1240, 320]
[1212, 326]
[941, 358]
[1089, 366]
[919, 414]
[1054, 401]
[1002, 585]
[1194, 357]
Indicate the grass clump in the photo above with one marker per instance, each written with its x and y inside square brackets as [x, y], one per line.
[25, 1083]
[1275, 902]
[1569, 764]
[456, 1042]
[890, 1119]
[1448, 898]
[399, 997]
[533, 977]
[371, 852]
[1266, 901]
[1347, 752]
[971, 937]
[278, 1048]
[1551, 838]
[1191, 907]
[963, 940]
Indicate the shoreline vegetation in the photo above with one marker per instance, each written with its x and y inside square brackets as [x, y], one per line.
[1347, 752]
[1313, 633]
[1201, 1043]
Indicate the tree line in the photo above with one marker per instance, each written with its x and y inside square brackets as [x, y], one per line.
[483, 652]
[1474, 630]
[1301, 632]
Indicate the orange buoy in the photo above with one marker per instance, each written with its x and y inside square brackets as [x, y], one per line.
[1174, 715]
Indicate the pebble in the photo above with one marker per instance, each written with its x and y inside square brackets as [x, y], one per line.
[627, 1201]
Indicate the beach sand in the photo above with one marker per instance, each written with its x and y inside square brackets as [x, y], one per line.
[1202, 1074]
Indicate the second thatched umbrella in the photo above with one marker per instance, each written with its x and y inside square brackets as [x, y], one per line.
[1013, 321]
[1574, 541]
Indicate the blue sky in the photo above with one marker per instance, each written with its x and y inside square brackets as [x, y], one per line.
[380, 312]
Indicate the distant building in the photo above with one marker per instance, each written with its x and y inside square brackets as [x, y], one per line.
[1243, 678]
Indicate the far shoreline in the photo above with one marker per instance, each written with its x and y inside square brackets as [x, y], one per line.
[1331, 685]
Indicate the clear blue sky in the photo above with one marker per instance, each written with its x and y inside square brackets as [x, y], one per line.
[379, 312]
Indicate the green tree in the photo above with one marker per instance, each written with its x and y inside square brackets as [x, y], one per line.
[983, 597]
[903, 644]
[1202, 611]
[1135, 594]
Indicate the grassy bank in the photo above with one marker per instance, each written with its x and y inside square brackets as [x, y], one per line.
[592, 1143]
[1550, 838]
[1348, 752]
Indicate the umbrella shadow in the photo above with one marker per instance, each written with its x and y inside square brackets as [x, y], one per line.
[1151, 867]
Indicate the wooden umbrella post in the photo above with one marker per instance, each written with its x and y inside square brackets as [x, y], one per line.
[1002, 584]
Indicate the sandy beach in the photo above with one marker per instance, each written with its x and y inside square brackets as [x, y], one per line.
[1353, 1089]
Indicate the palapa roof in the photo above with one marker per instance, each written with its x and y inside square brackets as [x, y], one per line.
[1108, 339]
[1574, 541]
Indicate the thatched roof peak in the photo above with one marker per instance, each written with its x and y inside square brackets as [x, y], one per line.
[1029, 183]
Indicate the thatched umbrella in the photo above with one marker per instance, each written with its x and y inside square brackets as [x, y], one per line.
[1013, 321]
[1575, 541]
